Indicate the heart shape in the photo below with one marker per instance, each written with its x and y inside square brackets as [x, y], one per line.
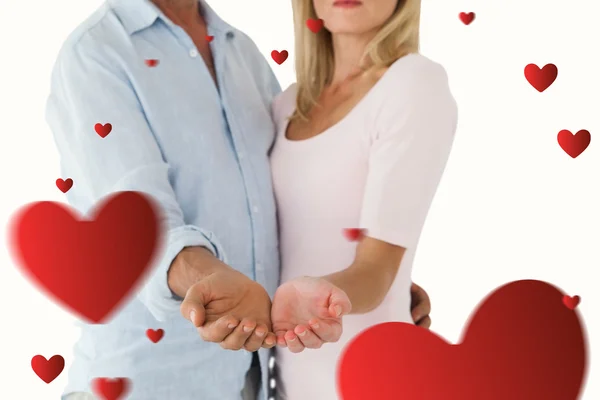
[155, 335]
[150, 63]
[466, 18]
[520, 344]
[353, 234]
[571, 302]
[315, 25]
[209, 38]
[48, 370]
[575, 144]
[103, 130]
[64, 185]
[87, 266]
[111, 389]
[541, 78]
[279, 57]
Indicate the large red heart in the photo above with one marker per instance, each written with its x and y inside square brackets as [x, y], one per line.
[279, 57]
[111, 389]
[88, 266]
[522, 343]
[541, 79]
[575, 144]
[47, 370]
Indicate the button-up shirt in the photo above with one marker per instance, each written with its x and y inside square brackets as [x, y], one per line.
[199, 149]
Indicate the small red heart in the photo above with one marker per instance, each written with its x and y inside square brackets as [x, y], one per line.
[89, 267]
[520, 344]
[209, 38]
[103, 130]
[466, 18]
[48, 370]
[64, 185]
[315, 25]
[354, 234]
[541, 78]
[279, 57]
[571, 302]
[111, 389]
[155, 335]
[151, 63]
[575, 144]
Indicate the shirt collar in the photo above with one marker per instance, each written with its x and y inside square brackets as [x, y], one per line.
[137, 15]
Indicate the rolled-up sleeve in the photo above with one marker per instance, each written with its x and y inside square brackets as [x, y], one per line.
[88, 90]
[410, 146]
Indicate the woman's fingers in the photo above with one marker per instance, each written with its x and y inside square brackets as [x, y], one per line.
[293, 343]
[281, 339]
[307, 337]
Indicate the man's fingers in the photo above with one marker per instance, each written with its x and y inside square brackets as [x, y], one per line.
[425, 322]
[270, 341]
[217, 331]
[293, 343]
[419, 312]
[257, 338]
[339, 304]
[237, 338]
[307, 337]
[192, 307]
[420, 298]
[327, 331]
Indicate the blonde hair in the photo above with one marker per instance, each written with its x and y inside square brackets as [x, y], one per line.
[398, 37]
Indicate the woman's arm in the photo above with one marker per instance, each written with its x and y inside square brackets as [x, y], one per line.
[369, 278]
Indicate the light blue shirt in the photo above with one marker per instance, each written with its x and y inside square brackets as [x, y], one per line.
[201, 151]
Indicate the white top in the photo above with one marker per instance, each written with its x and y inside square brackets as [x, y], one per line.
[377, 169]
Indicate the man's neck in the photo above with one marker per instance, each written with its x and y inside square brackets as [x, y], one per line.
[185, 13]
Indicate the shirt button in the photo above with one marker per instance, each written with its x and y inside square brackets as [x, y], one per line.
[193, 53]
[229, 35]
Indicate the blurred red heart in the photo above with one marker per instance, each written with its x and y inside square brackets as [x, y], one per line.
[466, 18]
[155, 335]
[279, 57]
[64, 185]
[89, 267]
[111, 389]
[209, 38]
[575, 144]
[520, 344]
[152, 63]
[48, 370]
[103, 130]
[541, 78]
[353, 234]
[315, 25]
[571, 302]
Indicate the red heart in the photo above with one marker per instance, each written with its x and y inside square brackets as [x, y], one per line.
[575, 144]
[521, 344]
[64, 185]
[151, 63]
[155, 335]
[48, 370]
[571, 302]
[111, 389]
[541, 79]
[103, 130]
[353, 234]
[87, 266]
[315, 25]
[279, 57]
[466, 18]
[209, 38]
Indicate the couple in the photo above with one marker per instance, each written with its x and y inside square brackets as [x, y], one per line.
[360, 141]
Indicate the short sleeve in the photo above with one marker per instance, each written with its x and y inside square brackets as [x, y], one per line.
[411, 143]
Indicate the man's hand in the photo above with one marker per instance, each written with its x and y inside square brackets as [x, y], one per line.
[420, 306]
[307, 312]
[223, 304]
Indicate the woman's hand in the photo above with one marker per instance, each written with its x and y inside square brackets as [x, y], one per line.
[307, 312]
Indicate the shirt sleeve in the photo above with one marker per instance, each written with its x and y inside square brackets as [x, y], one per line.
[415, 127]
[87, 90]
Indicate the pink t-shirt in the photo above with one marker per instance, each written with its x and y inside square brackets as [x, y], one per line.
[377, 169]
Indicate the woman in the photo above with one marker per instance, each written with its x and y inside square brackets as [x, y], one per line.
[363, 140]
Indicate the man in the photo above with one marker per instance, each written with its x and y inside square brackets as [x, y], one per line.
[188, 99]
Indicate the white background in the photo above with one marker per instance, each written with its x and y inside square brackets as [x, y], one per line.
[512, 204]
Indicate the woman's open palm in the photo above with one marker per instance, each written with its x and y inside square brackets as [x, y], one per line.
[307, 312]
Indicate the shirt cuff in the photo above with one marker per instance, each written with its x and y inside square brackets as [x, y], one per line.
[156, 295]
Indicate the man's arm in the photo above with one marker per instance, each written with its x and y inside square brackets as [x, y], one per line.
[86, 90]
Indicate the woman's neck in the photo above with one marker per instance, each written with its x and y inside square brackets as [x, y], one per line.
[348, 51]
